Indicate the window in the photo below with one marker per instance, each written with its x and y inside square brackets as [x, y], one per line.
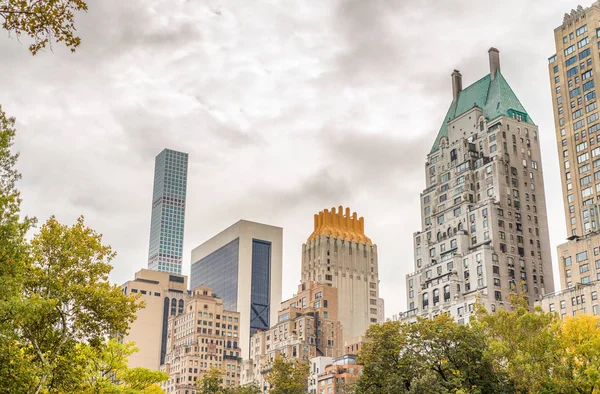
[568, 62]
[570, 50]
[568, 261]
[572, 71]
[581, 256]
[588, 85]
[583, 42]
[586, 75]
[580, 31]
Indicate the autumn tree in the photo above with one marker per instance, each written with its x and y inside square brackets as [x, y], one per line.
[44, 21]
[579, 342]
[210, 382]
[523, 344]
[288, 376]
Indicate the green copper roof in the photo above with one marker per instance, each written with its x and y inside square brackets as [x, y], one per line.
[495, 97]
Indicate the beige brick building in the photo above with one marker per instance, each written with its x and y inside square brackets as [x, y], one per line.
[342, 371]
[578, 299]
[163, 294]
[574, 77]
[339, 254]
[484, 223]
[307, 326]
[201, 337]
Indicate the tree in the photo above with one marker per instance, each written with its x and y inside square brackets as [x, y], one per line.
[288, 376]
[430, 356]
[210, 382]
[579, 340]
[380, 357]
[522, 344]
[106, 370]
[44, 21]
[16, 369]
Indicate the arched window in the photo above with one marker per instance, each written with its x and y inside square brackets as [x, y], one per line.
[450, 232]
[460, 226]
[439, 236]
[173, 306]
[235, 345]
[228, 344]
[180, 306]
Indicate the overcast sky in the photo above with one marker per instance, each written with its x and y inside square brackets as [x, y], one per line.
[286, 107]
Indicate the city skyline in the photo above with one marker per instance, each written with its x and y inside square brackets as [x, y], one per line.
[320, 165]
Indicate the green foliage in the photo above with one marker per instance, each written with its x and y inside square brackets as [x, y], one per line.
[430, 356]
[211, 384]
[44, 21]
[288, 377]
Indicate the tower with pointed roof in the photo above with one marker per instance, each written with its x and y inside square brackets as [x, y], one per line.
[483, 213]
[339, 254]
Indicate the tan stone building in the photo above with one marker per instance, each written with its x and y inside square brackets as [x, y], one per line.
[163, 294]
[353, 345]
[201, 337]
[342, 371]
[574, 77]
[307, 326]
[339, 254]
[484, 224]
[578, 299]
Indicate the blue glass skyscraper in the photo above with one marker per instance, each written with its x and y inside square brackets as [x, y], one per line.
[168, 212]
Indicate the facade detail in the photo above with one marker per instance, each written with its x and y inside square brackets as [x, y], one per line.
[573, 301]
[163, 294]
[242, 265]
[168, 212]
[339, 254]
[202, 336]
[307, 327]
[484, 225]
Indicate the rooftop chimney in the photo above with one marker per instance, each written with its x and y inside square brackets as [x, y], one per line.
[456, 84]
[494, 62]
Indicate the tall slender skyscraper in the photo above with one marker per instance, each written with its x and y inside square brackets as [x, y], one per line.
[168, 212]
[484, 226]
[339, 254]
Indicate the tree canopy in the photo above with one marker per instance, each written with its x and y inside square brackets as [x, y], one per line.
[288, 376]
[43, 21]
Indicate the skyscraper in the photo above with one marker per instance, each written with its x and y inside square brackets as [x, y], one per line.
[242, 265]
[573, 79]
[339, 254]
[168, 211]
[484, 226]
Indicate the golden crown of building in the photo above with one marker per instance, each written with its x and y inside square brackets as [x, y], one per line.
[339, 225]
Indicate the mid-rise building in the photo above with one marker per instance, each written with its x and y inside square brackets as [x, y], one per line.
[342, 372]
[484, 225]
[339, 254]
[201, 337]
[353, 345]
[574, 76]
[307, 327]
[163, 294]
[317, 367]
[574, 300]
[242, 265]
[168, 211]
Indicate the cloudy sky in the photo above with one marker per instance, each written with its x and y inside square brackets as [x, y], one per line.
[286, 107]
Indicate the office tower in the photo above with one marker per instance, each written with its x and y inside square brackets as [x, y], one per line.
[573, 75]
[242, 265]
[483, 213]
[163, 295]
[339, 254]
[204, 336]
[168, 211]
[307, 326]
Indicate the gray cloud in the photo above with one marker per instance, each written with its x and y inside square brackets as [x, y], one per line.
[286, 108]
